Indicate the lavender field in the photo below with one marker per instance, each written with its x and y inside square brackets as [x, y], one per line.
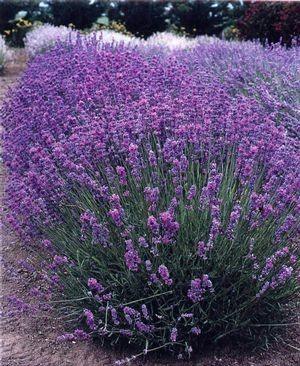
[158, 184]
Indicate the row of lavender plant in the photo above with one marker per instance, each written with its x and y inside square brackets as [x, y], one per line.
[268, 74]
[167, 201]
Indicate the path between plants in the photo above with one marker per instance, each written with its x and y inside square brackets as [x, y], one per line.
[28, 341]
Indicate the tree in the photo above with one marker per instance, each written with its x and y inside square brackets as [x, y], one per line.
[139, 17]
[81, 13]
[271, 22]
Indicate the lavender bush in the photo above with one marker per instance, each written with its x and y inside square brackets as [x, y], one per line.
[165, 196]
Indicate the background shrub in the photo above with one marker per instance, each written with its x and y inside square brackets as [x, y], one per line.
[17, 18]
[257, 20]
[166, 198]
[271, 22]
[198, 17]
[141, 18]
[9, 10]
[82, 14]
[15, 36]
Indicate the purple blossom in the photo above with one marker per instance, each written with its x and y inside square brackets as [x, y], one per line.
[100, 233]
[152, 159]
[210, 191]
[47, 245]
[126, 332]
[26, 266]
[170, 226]
[164, 274]
[196, 330]
[89, 319]
[153, 278]
[80, 335]
[148, 265]
[283, 275]
[122, 175]
[58, 261]
[153, 224]
[18, 305]
[271, 262]
[280, 278]
[173, 335]
[293, 259]
[134, 160]
[116, 212]
[143, 243]
[192, 193]
[95, 286]
[145, 311]
[132, 258]
[114, 316]
[179, 191]
[233, 220]
[77, 335]
[144, 328]
[131, 314]
[199, 287]
[152, 196]
[203, 249]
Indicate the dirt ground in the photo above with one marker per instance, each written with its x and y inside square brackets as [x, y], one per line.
[32, 341]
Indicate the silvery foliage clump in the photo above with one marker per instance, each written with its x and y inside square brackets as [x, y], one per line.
[4, 53]
[170, 41]
[44, 37]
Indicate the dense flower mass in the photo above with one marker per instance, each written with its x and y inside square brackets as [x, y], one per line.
[165, 188]
[269, 75]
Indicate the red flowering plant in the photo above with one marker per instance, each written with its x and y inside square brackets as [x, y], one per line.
[271, 22]
[169, 204]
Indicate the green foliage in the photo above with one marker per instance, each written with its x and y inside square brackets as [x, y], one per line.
[15, 35]
[197, 17]
[141, 18]
[80, 13]
[17, 18]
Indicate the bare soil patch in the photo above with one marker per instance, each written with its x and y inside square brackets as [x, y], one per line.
[30, 341]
